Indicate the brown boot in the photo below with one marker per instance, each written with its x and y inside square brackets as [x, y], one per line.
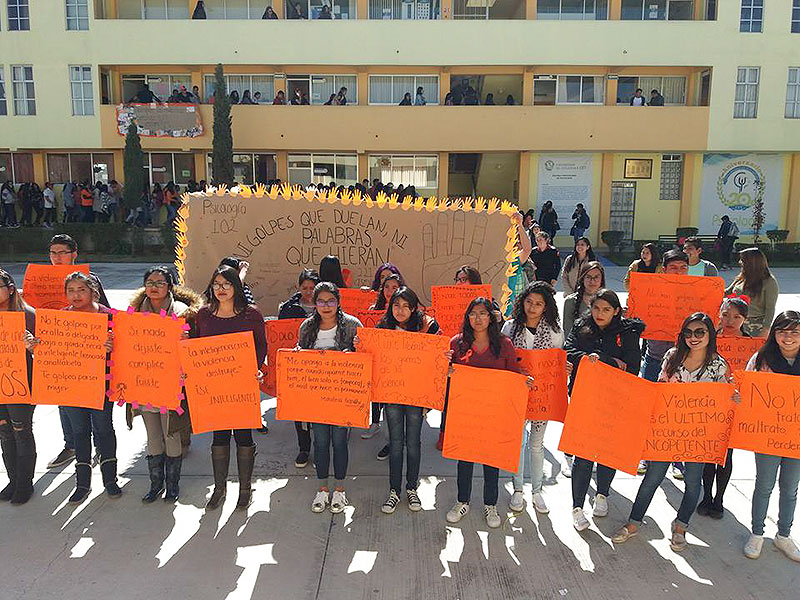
[245, 458]
[220, 462]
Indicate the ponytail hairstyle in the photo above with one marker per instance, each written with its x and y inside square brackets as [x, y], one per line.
[417, 319]
[380, 300]
[550, 314]
[682, 348]
[308, 336]
[468, 334]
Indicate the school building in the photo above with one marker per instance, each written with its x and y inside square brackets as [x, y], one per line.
[728, 74]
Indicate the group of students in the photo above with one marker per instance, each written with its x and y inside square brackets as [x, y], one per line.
[594, 329]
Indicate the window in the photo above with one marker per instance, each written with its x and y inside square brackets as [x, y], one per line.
[312, 9]
[796, 16]
[22, 86]
[404, 9]
[671, 173]
[657, 10]
[16, 167]
[265, 84]
[80, 80]
[672, 88]
[3, 107]
[572, 9]
[579, 89]
[77, 15]
[322, 86]
[250, 169]
[752, 17]
[80, 167]
[163, 167]
[19, 16]
[792, 94]
[745, 105]
[544, 90]
[160, 85]
[305, 169]
[235, 9]
[390, 89]
[420, 171]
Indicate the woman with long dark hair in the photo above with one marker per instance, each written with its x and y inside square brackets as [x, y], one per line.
[382, 273]
[534, 325]
[779, 354]
[329, 329]
[606, 336]
[330, 270]
[694, 358]
[581, 255]
[649, 261]
[16, 420]
[756, 281]
[591, 279]
[389, 286]
[229, 312]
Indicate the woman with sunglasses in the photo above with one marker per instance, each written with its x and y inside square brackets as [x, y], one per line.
[229, 312]
[329, 329]
[779, 354]
[694, 358]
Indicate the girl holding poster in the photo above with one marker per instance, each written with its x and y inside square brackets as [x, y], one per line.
[778, 355]
[405, 422]
[329, 329]
[229, 312]
[608, 337]
[16, 420]
[694, 358]
[534, 325]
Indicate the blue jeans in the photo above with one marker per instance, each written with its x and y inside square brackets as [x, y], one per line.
[650, 368]
[66, 428]
[405, 427]
[656, 470]
[582, 477]
[578, 233]
[767, 467]
[85, 420]
[324, 435]
[534, 441]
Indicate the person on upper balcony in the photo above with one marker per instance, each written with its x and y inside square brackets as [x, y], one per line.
[145, 96]
[638, 99]
[656, 99]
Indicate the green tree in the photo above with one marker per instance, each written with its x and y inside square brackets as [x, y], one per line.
[758, 213]
[134, 168]
[222, 145]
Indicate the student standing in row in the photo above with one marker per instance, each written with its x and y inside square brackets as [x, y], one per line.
[756, 281]
[581, 255]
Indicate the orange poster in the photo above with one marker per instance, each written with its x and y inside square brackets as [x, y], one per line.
[691, 422]
[408, 368]
[738, 350]
[221, 384]
[281, 333]
[663, 301]
[370, 318]
[43, 286]
[450, 302]
[484, 426]
[69, 365]
[329, 387]
[356, 299]
[547, 400]
[768, 418]
[607, 418]
[145, 364]
[13, 359]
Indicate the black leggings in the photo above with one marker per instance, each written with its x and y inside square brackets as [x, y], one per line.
[16, 427]
[376, 412]
[722, 475]
[243, 437]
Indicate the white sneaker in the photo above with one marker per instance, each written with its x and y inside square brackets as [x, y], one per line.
[567, 470]
[517, 502]
[600, 506]
[752, 549]
[321, 500]
[459, 510]
[579, 520]
[539, 503]
[371, 432]
[391, 503]
[492, 518]
[787, 546]
[338, 501]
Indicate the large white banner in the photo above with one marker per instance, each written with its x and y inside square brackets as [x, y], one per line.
[565, 180]
[732, 183]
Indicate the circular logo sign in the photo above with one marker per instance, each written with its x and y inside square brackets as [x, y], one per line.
[740, 185]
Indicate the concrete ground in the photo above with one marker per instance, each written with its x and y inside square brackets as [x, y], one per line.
[279, 549]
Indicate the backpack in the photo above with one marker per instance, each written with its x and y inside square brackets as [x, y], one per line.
[734, 230]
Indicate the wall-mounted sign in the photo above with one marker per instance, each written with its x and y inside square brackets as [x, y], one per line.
[638, 168]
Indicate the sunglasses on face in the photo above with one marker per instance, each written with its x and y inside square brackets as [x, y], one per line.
[694, 333]
[158, 284]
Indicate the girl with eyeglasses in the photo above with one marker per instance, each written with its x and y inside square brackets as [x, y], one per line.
[778, 355]
[694, 358]
[329, 329]
[229, 312]
[592, 278]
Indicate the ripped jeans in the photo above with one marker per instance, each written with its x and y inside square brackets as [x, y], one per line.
[16, 427]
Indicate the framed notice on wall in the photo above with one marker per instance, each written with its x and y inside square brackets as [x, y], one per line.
[638, 168]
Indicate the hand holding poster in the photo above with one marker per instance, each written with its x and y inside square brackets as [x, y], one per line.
[768, 418]
[69, 364]
[281, 333]
[327, 387]
[737, 351]
[690, 422]
[221, 384]
[450, 302]
[43, 286]
[13, 359]
[146, 365]
[356, 299]
[408, 368]
[547, 400]
[484, 426]
[663, 301]
[606, 423]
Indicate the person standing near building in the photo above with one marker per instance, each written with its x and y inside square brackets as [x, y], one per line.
[649, 261]
[548, 220]
[49, 196]
[9, 199]
[693, 248]
[756, 281]
[581, 254]
[581, 222]
[545, 259]
[726, 237]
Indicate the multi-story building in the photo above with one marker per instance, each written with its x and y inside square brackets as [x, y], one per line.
[728, 72]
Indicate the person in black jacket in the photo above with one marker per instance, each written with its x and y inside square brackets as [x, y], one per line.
[548, 219]
[546, 260]
[608, 337]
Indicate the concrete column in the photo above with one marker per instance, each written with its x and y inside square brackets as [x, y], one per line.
[611, 92]
[606, 177]
[111, 11]
[614, 10]
[447, 9]
[362, 81]
[530, 9]
[279, 6]
[192, 6]
[362, 9]
[793, 201]
[444, 179]
[687, 189]
[200, 165]
[282, 165]
[691, 89]
[524, 180]
[527, 91]
[363, 166]
[119, 166]
[39, 170]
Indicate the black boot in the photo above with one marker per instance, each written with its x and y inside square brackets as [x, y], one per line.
[108, 469]
[9, 449]
[155, 464]
[83, 483]
[220, 462]
[24, 488]
[173, 477]
[245, 457]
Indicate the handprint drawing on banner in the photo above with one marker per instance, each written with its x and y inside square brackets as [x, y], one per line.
[446, 246]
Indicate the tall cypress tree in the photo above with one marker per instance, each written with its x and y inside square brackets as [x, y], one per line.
[222, 146]
[134, 168]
